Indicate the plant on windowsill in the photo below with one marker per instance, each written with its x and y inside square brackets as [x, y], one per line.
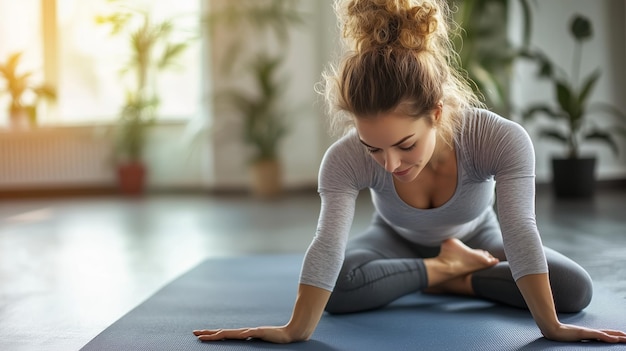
[575, 118]
[152, 51]
[25, 96]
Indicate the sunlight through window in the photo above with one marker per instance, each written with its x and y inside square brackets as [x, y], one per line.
[92, 87]
[87, 61]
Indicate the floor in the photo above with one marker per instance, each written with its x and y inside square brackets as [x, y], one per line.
[71, 267]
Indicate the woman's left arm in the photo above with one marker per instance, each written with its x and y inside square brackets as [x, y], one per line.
[538, 295]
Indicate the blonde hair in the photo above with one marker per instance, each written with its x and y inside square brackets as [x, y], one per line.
[398, 56]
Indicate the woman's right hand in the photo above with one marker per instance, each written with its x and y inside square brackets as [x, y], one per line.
[307, 312]
[279, 335]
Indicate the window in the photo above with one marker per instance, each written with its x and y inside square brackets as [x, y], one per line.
[20, 31]
[87, 60]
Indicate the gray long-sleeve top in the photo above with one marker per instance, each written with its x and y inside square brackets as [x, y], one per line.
[491, 151]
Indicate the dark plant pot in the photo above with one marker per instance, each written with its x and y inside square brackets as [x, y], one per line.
[131, 178]
[574, 177]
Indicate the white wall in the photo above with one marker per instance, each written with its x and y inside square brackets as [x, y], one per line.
[606, 50]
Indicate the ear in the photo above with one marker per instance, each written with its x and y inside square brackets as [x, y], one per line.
[438, 111]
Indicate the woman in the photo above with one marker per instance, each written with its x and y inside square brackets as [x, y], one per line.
[431, 158]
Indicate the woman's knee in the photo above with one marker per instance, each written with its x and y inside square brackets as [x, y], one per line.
[345, 296]
[571, 284]
[348, 282]
[337, 304]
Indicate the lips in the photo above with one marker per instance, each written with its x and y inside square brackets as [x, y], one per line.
[401, 173]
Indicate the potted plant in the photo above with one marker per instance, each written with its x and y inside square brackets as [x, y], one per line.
[151, 51]
[261, 104]
[25, 95]
[574, 117]
[265, 123]
[130, 133]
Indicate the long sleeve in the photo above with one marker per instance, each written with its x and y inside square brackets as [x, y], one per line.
[502, 149]
[343, 173]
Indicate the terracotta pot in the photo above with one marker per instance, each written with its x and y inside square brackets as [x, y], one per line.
[18, 119]
[131, 178]
[266, 179]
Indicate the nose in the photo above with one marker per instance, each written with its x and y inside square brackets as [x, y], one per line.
[392, 162]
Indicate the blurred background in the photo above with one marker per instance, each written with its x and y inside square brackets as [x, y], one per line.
[138, 138]
[97, 94]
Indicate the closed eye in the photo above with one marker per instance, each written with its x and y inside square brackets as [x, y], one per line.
[408, 148]
[372, 150]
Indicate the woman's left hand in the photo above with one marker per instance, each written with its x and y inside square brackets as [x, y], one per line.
[568, 332]
[536, 291]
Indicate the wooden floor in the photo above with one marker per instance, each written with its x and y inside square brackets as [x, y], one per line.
[70, 267]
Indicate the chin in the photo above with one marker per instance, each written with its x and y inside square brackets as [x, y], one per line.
[406, 178]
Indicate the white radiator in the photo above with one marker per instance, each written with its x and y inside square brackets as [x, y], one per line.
[54, 158]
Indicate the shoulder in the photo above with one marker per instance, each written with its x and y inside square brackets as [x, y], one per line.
[493, 144]
[478, 119]
[346, 164]
[345, 150]
[486, 127]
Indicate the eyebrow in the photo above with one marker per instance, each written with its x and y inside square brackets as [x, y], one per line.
[396, 144]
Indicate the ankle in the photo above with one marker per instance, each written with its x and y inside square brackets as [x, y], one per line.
[438, 271]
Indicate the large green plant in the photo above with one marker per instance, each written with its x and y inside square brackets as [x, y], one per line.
[484, 50]
[261, 105]
[152, 50]
[575, 118]
[263, 113]
[19, 85]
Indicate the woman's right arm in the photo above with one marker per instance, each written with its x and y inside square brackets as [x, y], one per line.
[339, 187]
[307, 312]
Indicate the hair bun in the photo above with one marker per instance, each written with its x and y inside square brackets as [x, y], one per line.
[370, 24]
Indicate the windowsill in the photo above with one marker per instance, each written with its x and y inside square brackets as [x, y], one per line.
[58, 127]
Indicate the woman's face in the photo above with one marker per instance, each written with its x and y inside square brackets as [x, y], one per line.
[401, 144]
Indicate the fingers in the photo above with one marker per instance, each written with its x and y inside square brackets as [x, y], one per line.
[221, 334]
[604, 335]
[612, 336]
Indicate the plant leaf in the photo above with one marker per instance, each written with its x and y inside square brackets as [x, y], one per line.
[569, 104]
[542, 109]
[587, 86]
[45, 91]
[527, 22]
[599, 135]
[609, 109]
[554, 134]
[171, 53]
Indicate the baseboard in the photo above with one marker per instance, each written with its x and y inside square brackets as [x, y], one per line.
[44, 193]
[601, 185]
[57, 192]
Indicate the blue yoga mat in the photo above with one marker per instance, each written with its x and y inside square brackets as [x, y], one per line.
[260, 290]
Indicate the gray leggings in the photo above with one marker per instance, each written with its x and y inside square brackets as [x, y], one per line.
[381, 266]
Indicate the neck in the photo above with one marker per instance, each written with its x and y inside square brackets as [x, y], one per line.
[442, 154]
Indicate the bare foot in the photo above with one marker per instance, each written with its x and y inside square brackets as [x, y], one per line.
[462, 260]
[456, 259]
